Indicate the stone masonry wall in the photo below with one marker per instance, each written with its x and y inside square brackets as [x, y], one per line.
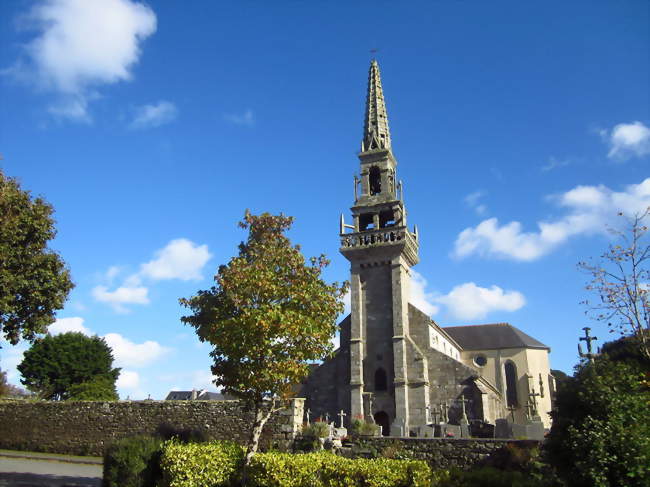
[86, 428]
[441, 453]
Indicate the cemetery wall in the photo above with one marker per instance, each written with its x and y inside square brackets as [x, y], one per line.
[86, 428]
[441, 453]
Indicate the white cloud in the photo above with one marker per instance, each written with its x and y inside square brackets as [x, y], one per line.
[469, 301]
[180, 259]
[554, 163]
[149, 116]
[246, 119]
[10, 358]
[627, 140]
[65, 325]
[473, 201]
[419, 297]
[121, 296]
[129, 354]
[82, 44]
[128, 379]
[590, 209]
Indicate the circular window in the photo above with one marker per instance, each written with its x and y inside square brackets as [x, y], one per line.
[480, 360]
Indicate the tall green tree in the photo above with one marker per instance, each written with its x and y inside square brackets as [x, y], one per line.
[70, 366]
[34, 280]
[268, 316]
[620, 281]
[601, 420]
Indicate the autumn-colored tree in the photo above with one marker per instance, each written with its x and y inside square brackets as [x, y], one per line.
[268, 316]
[34, 281]
[621, 281]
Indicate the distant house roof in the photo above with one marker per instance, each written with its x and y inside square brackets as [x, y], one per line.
[492, 336]
[200, 396]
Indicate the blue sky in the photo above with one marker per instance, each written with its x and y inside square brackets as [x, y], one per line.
[520, 129]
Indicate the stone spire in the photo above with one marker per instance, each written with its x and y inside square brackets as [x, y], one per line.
[376, 134]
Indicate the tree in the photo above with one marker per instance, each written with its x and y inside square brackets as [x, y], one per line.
[601, 422]
[268, 317]
[70, 366]
[10, 390]
[34, 281]
[4, 385]
[621, 282]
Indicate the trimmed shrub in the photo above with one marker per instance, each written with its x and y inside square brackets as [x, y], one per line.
[132, 462]
[215, 464]
[492, 477]
[325, 469]
[318, 429]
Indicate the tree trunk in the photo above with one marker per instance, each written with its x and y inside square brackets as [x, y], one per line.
[261, 417]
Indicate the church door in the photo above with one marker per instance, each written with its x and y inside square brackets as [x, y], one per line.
[381, 418]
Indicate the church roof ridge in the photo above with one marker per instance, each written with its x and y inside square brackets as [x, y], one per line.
[376, 134]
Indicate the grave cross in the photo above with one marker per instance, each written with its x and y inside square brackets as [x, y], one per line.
[529, 408]
[308, 412]
[341, 415]
[512, 410]
[444, 411]
[589, 355]
[434, 415]
[533, 400]
[462, 401]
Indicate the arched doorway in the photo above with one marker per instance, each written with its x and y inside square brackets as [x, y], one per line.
[381, 418]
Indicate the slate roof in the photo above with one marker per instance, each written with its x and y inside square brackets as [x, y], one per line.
[492, 336]
[201, 396]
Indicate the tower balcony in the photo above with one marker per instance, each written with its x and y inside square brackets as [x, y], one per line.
[389, 241]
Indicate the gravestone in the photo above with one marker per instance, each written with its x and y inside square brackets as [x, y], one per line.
[503, 429]
[464, 428]
[426, 431]
[398, 428]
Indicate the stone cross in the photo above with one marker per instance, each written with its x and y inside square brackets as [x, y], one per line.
[512, 410]
[462, 402]
[341, 415]
[308, 412]
[443, 411]
[589, 355]
[533, 400]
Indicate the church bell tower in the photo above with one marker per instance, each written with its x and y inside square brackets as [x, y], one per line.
[381, 250]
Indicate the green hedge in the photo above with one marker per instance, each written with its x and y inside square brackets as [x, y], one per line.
[325, 469]
[219, 464]
[213, 464]
[132, 462]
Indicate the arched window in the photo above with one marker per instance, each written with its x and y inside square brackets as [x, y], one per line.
[381, 381]
[374, 177]
[511, 384]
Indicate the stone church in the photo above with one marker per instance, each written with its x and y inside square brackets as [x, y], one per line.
[395, 365]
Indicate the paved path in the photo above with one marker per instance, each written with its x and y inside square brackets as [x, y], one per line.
[27, 469]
